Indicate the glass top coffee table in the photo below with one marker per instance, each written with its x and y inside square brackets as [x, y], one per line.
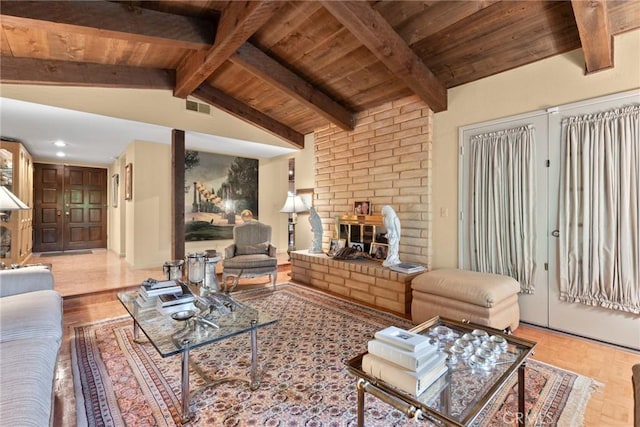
[458, 396]
[213, 317]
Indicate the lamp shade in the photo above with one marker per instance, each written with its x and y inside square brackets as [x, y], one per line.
[9, 201]
[294, 204]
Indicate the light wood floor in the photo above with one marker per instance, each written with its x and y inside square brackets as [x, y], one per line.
[89, 282]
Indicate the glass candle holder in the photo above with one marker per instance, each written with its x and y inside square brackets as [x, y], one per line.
[195, 268]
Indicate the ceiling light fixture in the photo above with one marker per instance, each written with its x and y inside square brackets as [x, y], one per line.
[60, 154]
[60, 143]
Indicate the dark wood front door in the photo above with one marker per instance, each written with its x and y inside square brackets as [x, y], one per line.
[70, 208]
[48, 196]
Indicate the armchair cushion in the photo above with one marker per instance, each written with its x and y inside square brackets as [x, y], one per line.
[249, 262]
[255, 249]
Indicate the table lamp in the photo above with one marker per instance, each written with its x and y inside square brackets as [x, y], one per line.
[9, 201]
[293, 205]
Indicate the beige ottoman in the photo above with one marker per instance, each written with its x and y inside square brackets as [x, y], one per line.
[482, 298]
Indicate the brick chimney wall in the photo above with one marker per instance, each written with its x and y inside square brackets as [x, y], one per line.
[386, 160]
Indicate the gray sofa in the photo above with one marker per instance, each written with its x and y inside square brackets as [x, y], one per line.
[30, 338]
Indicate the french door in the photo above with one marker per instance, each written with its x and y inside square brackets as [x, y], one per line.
[603, 324]
[544, 307]
[70, 207]
[533, 307]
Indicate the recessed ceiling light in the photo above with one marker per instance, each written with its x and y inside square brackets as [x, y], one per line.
[60, 143]
[60, 154]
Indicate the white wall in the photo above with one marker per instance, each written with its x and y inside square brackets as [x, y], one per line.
[272, 191]
[116, 224]
[148, 215]
[544, 84]
[305, 178]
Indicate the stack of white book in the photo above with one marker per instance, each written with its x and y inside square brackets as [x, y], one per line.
[151, 289]
[404, 359]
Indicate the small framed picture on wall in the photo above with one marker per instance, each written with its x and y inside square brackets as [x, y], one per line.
[115, 181]
[128, 182]
[362, 208]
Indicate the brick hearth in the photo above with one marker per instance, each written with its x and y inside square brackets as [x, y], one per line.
[362, 280]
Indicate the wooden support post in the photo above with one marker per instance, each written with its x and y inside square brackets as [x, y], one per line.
[177, 196]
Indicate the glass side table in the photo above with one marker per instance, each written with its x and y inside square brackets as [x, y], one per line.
[458, 396]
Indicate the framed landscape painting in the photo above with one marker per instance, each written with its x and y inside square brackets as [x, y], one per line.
[217, 189]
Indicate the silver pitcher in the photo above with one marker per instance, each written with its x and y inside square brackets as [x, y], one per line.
[210, 276]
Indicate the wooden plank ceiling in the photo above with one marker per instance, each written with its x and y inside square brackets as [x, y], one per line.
[290, 67]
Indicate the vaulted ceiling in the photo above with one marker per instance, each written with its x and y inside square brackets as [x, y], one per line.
[290, 67]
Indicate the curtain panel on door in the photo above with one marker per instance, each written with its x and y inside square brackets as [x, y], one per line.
[502, 204]
[599, 210]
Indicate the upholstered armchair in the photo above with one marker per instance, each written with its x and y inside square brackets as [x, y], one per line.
[251, 254]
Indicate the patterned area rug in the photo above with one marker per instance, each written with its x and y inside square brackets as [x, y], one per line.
[304, 383]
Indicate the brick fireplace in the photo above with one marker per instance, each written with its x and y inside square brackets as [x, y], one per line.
[386, 160]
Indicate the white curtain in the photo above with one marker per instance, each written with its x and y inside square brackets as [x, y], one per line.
[599, 205]
[502, 206]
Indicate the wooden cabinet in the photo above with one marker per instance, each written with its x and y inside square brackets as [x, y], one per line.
[16, 173]
[366, 233]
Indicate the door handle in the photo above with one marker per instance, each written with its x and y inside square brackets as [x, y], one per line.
[66, 213]
[59, 213]
[555, 233]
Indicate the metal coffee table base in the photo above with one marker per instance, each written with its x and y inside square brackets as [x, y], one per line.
[186, 413]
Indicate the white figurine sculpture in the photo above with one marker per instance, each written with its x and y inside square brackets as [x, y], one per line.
[316, 227]
[392, 224]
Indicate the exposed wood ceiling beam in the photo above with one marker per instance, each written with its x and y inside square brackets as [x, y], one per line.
[373, 31]
[238, 21]
[437, 16]
[268, 69]
[247, 113]
[595, 36]
[111, 20]
[64, 73]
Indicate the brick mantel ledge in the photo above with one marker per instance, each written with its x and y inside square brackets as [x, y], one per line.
[363, 280]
